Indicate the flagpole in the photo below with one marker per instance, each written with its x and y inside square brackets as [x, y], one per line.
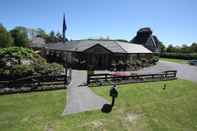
[64, 28]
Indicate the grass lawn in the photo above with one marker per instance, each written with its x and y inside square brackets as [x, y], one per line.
[139, 107]
[180, 61]
[173, 109]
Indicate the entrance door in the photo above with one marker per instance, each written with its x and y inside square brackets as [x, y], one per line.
[98, 57]
[100, 61]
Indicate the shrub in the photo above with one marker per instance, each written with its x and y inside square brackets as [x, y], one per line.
[49, 69]
[18, 62]
[186, 56]
[20, 53]
[154, 59]
[138, 62]
[22, 71]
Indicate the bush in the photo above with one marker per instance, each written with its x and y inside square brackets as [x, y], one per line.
[154, 60]
[18, 62]
[22, 70]
[16, 71]
[185, 56]
[20, 53]
[49, 69]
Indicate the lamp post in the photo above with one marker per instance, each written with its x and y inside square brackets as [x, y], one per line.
[113, 94]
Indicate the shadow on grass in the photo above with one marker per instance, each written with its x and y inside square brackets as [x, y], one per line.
[107, 108]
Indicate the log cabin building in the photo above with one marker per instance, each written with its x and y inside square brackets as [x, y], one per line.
[98, 54]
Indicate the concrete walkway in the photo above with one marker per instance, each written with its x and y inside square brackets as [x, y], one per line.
[81, 98]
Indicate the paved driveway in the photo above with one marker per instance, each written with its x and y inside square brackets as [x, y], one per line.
[185, 71]
[81, 98]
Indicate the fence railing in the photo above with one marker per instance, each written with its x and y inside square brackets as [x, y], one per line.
[101, 78]
[35, 81]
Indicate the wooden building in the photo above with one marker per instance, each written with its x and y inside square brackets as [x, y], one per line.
[97, 54]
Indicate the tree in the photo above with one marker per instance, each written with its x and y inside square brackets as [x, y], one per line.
[162, 47]
[20, 36]
[193, 48]
[170, 48]
[41, 33]
[185, 49]
[51, 38]
[5, 38]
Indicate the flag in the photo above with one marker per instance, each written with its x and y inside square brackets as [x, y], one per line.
[64, 28]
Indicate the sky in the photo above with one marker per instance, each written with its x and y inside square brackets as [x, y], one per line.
[172, 21]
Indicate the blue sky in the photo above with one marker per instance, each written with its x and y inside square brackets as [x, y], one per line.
[173, 21]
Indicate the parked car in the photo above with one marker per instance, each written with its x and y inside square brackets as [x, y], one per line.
[193, 62]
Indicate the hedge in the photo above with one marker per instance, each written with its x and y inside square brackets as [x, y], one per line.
[185, 56]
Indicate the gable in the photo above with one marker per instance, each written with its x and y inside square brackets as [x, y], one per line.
[97, 49]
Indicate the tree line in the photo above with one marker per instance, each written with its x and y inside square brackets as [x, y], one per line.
[180, 49]
[21, 36]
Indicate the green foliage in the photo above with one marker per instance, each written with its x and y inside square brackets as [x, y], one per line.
[184, 56]
[49, 69]
[5, 38]
[21, 62]
[41, 33]
[139, 107]
[28, 111]
[172, 109]
[154, 59]
[162, 47]
[194, 47]
[22, 70]
[182, 49]
[53, 38]
[21, 53]
[181, 52]
[170, 48]
[180, 61]
[19, 34]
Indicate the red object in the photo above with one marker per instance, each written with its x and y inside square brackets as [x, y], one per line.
[115, 74]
